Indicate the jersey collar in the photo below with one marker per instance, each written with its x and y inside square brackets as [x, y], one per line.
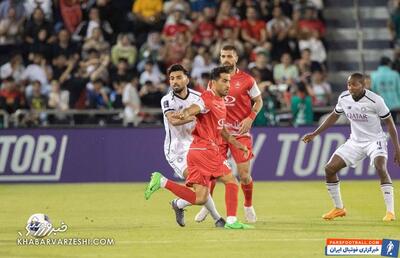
[179, 97]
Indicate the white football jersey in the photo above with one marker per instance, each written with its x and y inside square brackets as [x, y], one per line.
[364, 115]
[178, 138]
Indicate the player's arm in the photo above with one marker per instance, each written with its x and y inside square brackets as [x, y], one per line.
[246, 123]
[394, 137]
[328, 122]
[232, 140]
[188, 112]
[175, 121]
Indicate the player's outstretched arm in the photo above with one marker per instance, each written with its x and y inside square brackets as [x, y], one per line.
[176, 122]
[232, 140]
[394, 137]
[190, 111]
[328, 122]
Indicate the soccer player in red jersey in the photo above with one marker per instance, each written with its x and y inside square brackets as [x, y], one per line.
[205, 161]
[243, 102]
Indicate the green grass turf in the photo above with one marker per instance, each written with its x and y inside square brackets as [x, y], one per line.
[289, 220]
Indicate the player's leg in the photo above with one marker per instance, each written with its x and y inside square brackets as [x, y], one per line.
[231, 202]
[380, 163]
[202, 214]
[246, 181]
[179, 204]
[335, 164]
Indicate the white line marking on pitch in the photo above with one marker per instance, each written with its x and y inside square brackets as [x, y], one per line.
[219, 240]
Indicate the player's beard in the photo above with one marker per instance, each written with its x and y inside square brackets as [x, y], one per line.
[230, 66]
[177, 90]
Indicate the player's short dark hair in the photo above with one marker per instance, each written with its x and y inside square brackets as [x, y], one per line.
[358, 76]
[177, 68]
[385, 61]
[230, 48]
[216, 72]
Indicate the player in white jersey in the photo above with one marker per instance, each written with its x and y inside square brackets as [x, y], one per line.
[365, 110]
[178, 135]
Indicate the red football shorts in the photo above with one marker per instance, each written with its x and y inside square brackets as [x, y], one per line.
[204, 165]
[238, 155]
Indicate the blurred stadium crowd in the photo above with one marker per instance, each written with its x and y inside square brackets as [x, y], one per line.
[112, 55]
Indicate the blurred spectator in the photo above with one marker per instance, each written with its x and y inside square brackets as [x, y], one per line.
[151, 94]
[96, 96]
[150, 50]
[320, 90]
[58, 99]
[45, 5]
[285, 72]
[11, 98]
[64, 45]
[306, 65]
[197, 6]
[151, 73]
[36, 24]
[310, 22]
[37, 102]
[76, 80]
[85, 28]
[170, 6]
[59, 64]
[253, 29]
[262, 65]
[204, 29]
[37, 70]
[367, 80]
[202, 83]
[14, 68]
[227, 20]
[386, 83]
[175, 50]
[177, 25]
[280, 24]
[131, 101]
[11, 28]
[302, 113]
[227, 37]
[17, 5]
[71, 13]
[96, 41]
[124, 49]
[121, 72]
[204, 66]
[96, 65]
[309, 40]
[116, 94]
[147, 13]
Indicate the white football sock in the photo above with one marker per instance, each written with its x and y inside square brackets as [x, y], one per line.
[210, 205]
[387, 191]
[231, 219]
[163, 182]
[334, 192]
[181, 203]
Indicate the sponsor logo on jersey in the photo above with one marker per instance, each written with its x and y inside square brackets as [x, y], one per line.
[357, 117]
[166, 104]
[229, 101]
[221, 124]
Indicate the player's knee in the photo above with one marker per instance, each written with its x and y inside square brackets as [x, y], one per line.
[201, 200]
[330, 170]
[384, 175]
[244, 178]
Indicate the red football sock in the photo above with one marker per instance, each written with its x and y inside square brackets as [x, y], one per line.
[248, 194]
[231, 199]
[212, 185]
[181, 191]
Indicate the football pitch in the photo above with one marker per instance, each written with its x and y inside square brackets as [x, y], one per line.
[289, 220]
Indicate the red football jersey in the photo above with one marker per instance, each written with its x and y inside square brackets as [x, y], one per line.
[243, 88]
[207, 133]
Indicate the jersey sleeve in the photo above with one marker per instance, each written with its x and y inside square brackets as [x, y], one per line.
[204, 102]
[167, 105]
[254, 91]
[381, 108]
[338, 108]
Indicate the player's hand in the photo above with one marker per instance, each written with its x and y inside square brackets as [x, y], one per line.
[245, 125]
[308, 137]
[178, 115]
[397, 158]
